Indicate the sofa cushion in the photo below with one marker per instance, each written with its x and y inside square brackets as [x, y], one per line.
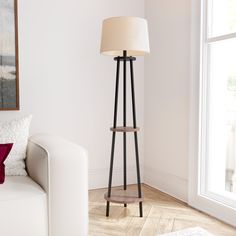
[23, 207]
[17, 132]
[4, 151]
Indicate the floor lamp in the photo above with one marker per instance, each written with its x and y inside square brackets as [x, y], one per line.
[124, 37]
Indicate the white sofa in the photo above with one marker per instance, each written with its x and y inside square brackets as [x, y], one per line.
[53, 199]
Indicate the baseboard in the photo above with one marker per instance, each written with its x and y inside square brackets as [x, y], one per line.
[98, 178]
[167, 183]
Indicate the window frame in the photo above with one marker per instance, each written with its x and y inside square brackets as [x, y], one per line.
[224, 197]
[213, 205]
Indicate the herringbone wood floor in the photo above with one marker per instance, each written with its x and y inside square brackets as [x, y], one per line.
[162, 214]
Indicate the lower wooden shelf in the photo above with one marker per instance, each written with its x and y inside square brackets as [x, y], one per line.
[123, 196]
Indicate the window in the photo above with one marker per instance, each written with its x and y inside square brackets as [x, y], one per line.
[218, 101]
[212, 139]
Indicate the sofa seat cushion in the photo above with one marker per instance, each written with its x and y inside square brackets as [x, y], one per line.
[23, 207]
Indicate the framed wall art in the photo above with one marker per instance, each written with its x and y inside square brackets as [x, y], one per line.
[9, 66]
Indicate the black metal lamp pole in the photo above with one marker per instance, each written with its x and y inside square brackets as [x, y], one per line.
[125, 58]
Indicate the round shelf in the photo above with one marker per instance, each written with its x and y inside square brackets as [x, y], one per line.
[124, 129]
[123, 196]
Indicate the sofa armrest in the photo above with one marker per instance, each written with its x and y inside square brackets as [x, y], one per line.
[60, 167]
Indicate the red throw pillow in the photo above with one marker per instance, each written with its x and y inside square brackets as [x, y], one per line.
[4, 151]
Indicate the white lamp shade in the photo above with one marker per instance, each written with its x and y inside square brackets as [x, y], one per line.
[125, 33]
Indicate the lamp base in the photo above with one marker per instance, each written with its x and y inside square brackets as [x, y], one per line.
[124, 196]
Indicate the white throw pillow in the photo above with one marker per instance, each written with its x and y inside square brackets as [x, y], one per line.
[16, 132]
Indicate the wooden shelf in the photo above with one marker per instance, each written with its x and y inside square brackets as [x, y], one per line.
[124, 129]
[123, 196]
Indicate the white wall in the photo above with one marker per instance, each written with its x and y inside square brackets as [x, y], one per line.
[166, 96]
[69, 87]
[64, 81]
